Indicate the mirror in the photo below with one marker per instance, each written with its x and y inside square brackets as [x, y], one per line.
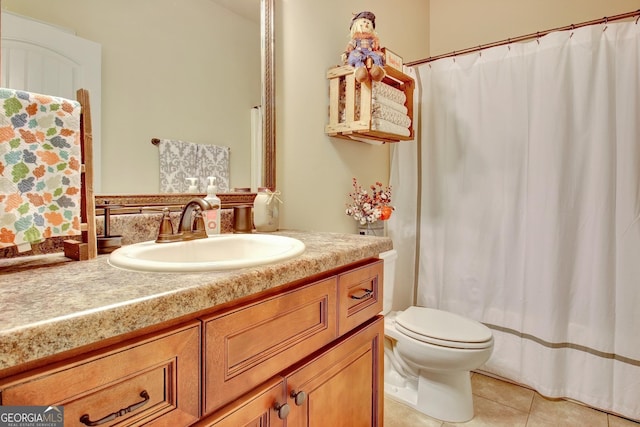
[128, 164]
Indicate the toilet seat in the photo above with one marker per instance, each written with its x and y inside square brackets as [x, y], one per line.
[443, 328]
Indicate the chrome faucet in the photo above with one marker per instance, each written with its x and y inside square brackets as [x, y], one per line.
[191, 224]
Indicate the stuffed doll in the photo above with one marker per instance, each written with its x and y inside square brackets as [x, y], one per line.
[364, 44]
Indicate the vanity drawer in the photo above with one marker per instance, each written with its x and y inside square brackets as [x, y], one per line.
[359, 295]
[153, 381]
[250, 344]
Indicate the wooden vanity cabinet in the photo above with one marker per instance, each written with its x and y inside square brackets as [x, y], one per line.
[151, 381]
[338, 386]
[316, 350]
[308, 354]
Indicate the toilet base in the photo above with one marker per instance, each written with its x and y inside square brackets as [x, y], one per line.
[444, 396]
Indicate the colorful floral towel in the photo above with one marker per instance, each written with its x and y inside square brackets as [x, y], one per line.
[40, 161]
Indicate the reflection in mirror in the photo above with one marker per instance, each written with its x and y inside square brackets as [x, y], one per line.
[190, 70]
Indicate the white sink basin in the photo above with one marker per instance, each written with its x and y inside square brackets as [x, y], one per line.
[221, 252]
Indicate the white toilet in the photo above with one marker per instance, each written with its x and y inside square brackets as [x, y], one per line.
[429, 354]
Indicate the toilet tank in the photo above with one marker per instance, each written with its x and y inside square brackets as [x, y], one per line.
[389, 259]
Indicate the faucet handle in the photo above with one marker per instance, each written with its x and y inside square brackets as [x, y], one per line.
[198, 229]
[166, 227]
[198, 221]
[165, 232]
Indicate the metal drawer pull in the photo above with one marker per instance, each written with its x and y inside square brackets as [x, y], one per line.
[85, 418]
[367, 293]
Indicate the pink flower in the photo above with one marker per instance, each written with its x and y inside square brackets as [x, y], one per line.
[366, 207]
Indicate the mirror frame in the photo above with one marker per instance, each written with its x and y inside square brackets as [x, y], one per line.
[267, 22]
[229, 200]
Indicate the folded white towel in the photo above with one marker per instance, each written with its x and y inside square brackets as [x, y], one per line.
[377, 98]
[390, 92]
[383, 112]
[386, 126]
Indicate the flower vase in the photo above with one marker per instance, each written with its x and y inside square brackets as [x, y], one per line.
[371, 229]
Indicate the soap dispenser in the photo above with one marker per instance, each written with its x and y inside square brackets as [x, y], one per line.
[212, 216]
[193, 187]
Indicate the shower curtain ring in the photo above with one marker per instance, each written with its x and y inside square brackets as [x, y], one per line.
[638, 17]
[606, 20]
[573, 27]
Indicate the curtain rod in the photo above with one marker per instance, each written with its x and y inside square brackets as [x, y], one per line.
[528, 37]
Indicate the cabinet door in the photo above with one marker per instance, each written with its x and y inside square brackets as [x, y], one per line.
[153, 381]
[343, 386]
[248, 345]
[260, 408]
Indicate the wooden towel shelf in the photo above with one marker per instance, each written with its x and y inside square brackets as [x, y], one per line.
[342, 84]
[87, 247]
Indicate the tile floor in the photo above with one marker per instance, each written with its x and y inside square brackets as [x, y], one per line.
[498, 403]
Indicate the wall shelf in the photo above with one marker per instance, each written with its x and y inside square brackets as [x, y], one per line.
[351, 106]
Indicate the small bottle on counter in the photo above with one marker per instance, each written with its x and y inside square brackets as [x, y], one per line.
[193, 187]
[266, 213]
[212, 216]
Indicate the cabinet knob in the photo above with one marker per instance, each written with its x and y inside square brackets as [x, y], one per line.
[282, 410]
[298, 397]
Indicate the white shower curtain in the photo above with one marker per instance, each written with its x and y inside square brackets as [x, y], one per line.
[530, 207]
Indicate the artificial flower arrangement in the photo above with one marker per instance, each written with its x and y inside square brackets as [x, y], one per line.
[368, 207]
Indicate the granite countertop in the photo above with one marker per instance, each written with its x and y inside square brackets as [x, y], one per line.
[49, 304]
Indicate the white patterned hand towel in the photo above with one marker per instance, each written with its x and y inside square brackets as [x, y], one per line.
[178, 161]
[213, 160]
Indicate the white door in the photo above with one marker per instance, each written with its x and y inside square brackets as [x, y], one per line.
[42, 58]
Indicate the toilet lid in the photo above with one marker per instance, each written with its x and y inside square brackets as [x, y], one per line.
[443, 328]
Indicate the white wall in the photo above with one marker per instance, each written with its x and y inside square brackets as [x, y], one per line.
[460, 24]
[314, 171]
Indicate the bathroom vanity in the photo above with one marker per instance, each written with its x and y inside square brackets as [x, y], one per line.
[289, 343]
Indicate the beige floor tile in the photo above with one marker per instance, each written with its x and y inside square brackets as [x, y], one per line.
[492, 414]
[498, 403]
[537, 421]
[517, 397]
[564, 413]
[397, 414]
[621, 422]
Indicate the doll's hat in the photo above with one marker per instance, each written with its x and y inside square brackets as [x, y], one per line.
[366, 15]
